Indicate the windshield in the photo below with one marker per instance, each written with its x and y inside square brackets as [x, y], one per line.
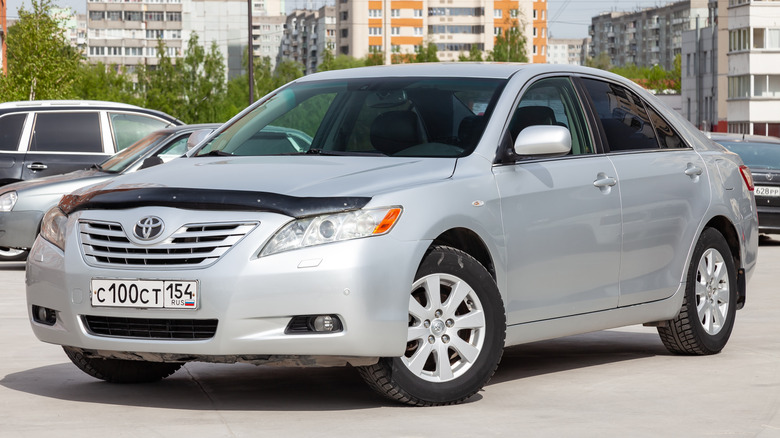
[419, 117]
[126, 157]
[756, 155]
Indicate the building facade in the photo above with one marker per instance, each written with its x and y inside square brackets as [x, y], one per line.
[402, 26]
[645, 38]
[307, 35]
[571, 51]
[754, 67]
[704, 70]
[126, 33]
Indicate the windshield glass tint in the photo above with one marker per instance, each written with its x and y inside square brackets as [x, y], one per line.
[126, 157]
[420, 117]
[755, 155]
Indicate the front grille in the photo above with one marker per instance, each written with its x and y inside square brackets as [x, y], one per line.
[148, 328]
[191, 246]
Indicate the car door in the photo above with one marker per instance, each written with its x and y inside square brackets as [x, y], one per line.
[63, 141]
[561, 215]
[663, 189]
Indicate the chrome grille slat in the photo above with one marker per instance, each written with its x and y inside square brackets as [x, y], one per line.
[190, 246]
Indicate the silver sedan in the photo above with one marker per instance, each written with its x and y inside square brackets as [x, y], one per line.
[440, 213]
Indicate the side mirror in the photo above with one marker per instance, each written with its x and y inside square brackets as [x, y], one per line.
[151, 161]
[197, 136]
[543, 140]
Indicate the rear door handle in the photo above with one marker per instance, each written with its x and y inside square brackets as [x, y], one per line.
[37, 166]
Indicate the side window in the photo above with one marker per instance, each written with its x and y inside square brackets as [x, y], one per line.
[10, 131]
[129, 128]
[553, 101]
[177, 148]
[622, 115]
[667, 137]
[66, 132]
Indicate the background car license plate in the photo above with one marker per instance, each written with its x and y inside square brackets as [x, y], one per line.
[170, 294]
[767, 191]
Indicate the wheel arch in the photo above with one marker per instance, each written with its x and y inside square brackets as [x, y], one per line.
[726, 228]
[469, 242]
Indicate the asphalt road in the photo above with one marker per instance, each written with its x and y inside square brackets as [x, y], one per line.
[615, 383]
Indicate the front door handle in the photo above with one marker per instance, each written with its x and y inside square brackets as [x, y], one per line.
[37, 166]
[693, 171]
[604, 183]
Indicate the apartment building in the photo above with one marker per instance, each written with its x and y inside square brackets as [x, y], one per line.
[455, 26]
[267, 36]
[704, 70]
[307, 35]
[126, 32]
[753, 105]
[571, 51]
[647, 37]
[3, 30]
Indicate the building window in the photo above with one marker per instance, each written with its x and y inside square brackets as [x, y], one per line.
[154, 34]
[513, 13]
[496, 31]
[395, 12]
[395, 31]
[374, 31]
[534, 32]
[344, 33]
[344, 15]
[418, 31]
[395, 48]
[766, 38]
[497, 13]
[114, 15]
[534, 51]
[154, 16]
[739, 86]
[375, 13]
[173, 16]
[766, 86]
[134, 16]
[739, 39]
[534, 14]
[374, 49]
[418, 13]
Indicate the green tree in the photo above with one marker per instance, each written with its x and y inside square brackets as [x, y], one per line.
[601, 61]
[105, 82]
[427, 53]
[474, 55]
[41, 62]
[160, 85]
[285, 72]
[340, 62]
[203, 82]
[374, 58]
[510, 45]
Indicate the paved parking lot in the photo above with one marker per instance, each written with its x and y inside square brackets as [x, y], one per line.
[615, 383]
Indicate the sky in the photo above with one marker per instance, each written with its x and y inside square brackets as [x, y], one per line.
[565, 18]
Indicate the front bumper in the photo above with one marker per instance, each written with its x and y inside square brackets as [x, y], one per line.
[365, 282]
[18, 229]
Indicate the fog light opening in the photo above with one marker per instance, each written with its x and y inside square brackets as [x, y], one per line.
[304, 324]
[44, 315]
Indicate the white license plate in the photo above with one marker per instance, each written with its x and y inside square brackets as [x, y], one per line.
[169, 294]
[767, 191]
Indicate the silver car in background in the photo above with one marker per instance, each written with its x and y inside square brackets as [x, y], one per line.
[23, 204]
[440, 213]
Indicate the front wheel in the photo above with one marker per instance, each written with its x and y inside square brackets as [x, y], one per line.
[709, 307]
[455, 337]
[120, 370]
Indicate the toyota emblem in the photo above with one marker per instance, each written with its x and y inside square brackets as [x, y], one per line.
[148, 228]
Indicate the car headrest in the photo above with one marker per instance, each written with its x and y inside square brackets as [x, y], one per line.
[394, 131]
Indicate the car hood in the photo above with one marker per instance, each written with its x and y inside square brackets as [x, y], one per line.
[299, 176]
[55, 181]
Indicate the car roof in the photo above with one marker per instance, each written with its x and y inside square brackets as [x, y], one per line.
[193, 127]
[55, 105]
[452, 69]
[742, 138]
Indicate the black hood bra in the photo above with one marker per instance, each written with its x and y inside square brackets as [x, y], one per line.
[210, 199]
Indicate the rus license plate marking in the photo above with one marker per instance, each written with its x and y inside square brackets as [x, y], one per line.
[145, 294]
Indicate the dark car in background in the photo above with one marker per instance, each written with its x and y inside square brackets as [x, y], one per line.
[23, 204]
[42, 138]
[762, 155]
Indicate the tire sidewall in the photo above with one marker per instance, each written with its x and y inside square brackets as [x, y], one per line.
[712, 239]
[463, 266]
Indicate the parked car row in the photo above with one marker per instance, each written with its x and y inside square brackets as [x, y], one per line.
[417, 220]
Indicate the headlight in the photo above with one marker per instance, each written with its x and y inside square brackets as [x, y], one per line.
[317, 230]
[53, 227]
[7, 201]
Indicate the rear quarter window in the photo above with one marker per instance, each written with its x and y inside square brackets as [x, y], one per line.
[67, 132]
[129, 128]
[10, 131]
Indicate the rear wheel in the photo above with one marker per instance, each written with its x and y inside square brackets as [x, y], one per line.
[120, 370]
[13, 255]
[709, 307]
[455, 337]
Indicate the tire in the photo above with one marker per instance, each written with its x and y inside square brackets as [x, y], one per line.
[455, 313]
[13, 255]
[120, 370]
[709, 307]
